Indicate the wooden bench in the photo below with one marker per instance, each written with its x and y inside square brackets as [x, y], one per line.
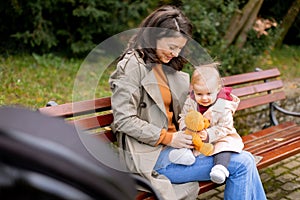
[258, 88]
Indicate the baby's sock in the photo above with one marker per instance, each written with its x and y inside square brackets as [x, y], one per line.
[218, 174]
[182, 156]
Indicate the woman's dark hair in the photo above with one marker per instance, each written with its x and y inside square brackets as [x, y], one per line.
[166, 21]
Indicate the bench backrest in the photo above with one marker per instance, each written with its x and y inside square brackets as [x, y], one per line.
[253, 88]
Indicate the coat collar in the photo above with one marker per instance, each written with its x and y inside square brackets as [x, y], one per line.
[178, 83]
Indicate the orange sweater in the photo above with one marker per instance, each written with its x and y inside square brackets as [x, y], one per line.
[166, 135]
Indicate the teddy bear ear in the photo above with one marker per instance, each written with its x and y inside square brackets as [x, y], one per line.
[206, 123]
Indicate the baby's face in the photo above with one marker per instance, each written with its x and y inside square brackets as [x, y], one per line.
[205, 95]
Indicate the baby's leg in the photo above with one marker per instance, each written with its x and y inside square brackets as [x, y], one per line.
[222, 158]
[219, 172]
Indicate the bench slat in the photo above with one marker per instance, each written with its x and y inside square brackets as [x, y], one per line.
[261, 100]
[273, 131]
[206, 186]
[279, 154]
[78, 108]
[94, 121]
[250, 77]
[248, 138]
[144, 196]
[274, 141]
[275, 145]
[253, 89]
[106, 136]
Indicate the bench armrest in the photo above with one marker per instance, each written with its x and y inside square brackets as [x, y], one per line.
[274, 106]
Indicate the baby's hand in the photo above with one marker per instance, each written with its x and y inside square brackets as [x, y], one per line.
[196, 153]
[203, 134]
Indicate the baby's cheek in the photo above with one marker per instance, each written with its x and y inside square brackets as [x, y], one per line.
[198, 99]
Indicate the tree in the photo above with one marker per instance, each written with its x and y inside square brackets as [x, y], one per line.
[241, 23]
[288, 21]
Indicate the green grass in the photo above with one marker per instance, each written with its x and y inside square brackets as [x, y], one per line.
[33, 80]
[287, 59]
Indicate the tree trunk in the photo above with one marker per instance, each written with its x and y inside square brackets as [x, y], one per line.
[288, 21]
[242, 38]
[241, 23]
[234, 27]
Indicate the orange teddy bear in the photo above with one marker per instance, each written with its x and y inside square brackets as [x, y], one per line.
[195, 122]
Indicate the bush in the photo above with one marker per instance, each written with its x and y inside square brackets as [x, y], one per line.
[75, 27]
[211, 20]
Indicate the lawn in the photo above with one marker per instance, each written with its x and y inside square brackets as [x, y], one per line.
[287, 59]
[33, 80]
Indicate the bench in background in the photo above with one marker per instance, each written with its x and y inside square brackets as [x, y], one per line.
[262, 87]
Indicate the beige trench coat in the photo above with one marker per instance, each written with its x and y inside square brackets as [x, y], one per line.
[221, 130]
[139, 116]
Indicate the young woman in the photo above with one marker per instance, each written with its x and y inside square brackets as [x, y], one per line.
[148, 93]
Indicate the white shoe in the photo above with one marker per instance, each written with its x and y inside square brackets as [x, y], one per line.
[218, 174]
[182, 156]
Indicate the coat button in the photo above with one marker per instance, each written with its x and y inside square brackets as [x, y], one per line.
[143, 105]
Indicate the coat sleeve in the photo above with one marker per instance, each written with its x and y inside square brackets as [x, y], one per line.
[222, 127]
[221, 118]
[125, 83]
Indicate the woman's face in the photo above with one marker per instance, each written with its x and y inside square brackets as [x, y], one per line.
[169, 47]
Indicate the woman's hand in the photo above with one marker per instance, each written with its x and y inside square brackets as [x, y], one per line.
[181, 140]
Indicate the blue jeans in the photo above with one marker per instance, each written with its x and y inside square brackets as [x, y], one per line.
[243, 182]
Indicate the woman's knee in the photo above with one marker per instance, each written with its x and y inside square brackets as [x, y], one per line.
[245, 159]
[248, 155]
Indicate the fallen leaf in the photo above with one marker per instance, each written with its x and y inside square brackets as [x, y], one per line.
[278, 139]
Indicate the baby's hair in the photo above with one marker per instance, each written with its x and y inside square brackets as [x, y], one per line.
[207, 74]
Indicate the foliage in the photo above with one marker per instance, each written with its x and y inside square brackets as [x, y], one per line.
[211, 20]
[75, 27]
